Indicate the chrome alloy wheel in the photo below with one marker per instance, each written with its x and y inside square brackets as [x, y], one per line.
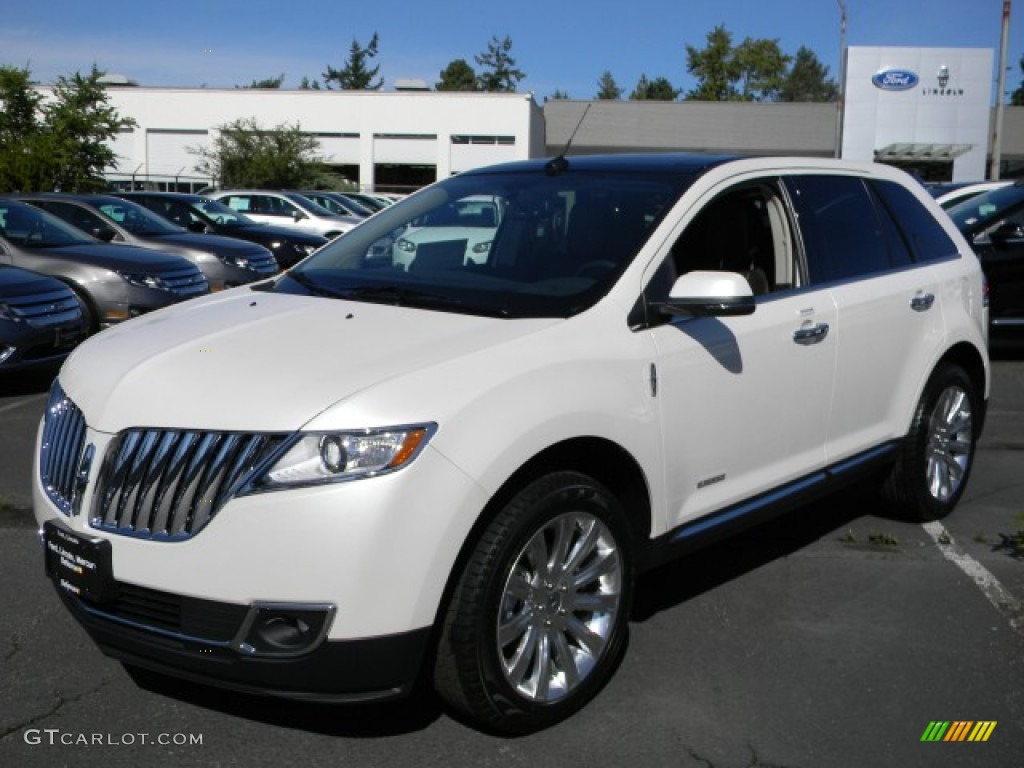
[558, 607]
[948, 453]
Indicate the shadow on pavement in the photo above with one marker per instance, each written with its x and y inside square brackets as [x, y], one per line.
[27, 382]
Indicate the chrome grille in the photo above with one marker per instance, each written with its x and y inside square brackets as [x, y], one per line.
[264, 264]
[188, 281]
[61, 450]
[46, 309]
[168, 484]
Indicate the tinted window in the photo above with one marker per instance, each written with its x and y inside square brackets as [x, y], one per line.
[842, 233]
[926, 238]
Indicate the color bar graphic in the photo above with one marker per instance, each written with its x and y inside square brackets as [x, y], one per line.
[958, 730]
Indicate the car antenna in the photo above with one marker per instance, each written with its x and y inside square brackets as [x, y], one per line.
[557, 165]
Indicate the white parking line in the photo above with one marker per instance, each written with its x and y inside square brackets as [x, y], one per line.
[22, 403]
[1004, 602]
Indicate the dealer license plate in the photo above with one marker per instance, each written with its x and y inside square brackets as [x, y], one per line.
[77, 564]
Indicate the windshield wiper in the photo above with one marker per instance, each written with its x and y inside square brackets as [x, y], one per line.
[412, 297]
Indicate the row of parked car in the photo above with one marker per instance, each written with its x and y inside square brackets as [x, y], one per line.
[71, 265]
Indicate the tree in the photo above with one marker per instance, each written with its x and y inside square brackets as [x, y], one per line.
[607, 88]
[714, 67]
[267, 82]
[355, 75]
[500, 73]
[808, 80]
[81, 125]
[761, 66]
[457, 76]
[308, 85]
[22, 139]
[559, 94]
[658, 89]
[1017, 97]
[244, 154]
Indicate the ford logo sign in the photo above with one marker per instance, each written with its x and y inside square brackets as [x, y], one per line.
[895, 80]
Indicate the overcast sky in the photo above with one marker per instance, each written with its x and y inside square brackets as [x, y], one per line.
[559, 44]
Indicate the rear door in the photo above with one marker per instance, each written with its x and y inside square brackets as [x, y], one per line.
[889, 325]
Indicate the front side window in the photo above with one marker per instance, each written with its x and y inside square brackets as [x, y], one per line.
[843, 235]
[136, 219]
[924, 236]
[30, 227]
[513, 244]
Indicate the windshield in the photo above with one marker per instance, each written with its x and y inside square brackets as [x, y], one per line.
[136, 219]
[522, 244]
[31, 227]
[222, 214]
[979, 213]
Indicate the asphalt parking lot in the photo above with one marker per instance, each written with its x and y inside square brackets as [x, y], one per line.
[832, 637]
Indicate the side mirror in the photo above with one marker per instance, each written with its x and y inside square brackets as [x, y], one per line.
[298, 215]
[710, 294]
[1007, 233]
[106, 234]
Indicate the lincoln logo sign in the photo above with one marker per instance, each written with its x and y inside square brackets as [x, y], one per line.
[895, 80]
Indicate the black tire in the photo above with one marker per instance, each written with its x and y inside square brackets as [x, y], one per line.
[558, 645]
[937, 454]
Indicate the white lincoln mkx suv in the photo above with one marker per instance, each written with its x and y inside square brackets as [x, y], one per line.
[384, 463]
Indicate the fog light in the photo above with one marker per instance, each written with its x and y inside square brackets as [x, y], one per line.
[283, 629]
[5, 352]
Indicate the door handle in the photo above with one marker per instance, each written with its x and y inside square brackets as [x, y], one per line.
[811, 334]
[922, 302]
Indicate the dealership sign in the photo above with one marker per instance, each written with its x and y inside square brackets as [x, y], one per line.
[895, 80]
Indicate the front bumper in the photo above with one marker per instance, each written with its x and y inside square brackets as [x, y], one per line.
[340, 670]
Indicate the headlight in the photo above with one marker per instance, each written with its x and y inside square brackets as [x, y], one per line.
[406, 245]
[482, 247]
[329, 457]
[233, 261]
[307, 249]
[144, 280]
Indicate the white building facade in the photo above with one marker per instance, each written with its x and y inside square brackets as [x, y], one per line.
[374, 139]
[919, 108]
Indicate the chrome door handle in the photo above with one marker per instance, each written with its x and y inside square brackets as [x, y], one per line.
[812, 334]
[922, 302]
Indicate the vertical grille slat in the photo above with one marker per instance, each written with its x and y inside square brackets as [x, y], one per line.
[61, 449]
[169, 484]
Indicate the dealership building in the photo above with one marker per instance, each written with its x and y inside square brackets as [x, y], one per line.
[925, 109]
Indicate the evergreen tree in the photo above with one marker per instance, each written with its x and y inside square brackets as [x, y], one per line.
[808, 80]
[457, 76]
[761, 65]
[559, 94]
[499, 73]
[1017, 97]
[607, 88]
[356, 75]
[658, 89]
[714, 67]
[267, 82]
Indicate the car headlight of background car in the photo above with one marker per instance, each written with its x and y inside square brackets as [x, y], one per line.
[323, 457]
[145, 280]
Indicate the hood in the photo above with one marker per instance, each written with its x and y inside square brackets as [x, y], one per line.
[116, 257]
[225, 246]
[249, 361]
[15, 281]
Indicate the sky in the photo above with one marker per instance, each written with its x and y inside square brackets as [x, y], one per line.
[561, 45]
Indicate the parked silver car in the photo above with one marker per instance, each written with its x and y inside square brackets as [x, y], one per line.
[226, 262]
[286, 209]
[112, 282]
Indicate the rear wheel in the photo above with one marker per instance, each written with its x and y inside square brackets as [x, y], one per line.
[539, 616]
[938, 452]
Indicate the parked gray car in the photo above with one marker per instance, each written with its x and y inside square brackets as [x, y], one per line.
[226, 262]
[112, 282]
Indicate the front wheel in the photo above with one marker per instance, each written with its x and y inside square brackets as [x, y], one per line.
[539, 616]
[938, 452]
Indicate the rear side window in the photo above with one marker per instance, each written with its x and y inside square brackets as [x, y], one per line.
[843, 235]
[923, 234]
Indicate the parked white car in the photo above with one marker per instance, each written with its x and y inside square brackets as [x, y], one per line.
[460, 470]
[286, 209]
[948, 195]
